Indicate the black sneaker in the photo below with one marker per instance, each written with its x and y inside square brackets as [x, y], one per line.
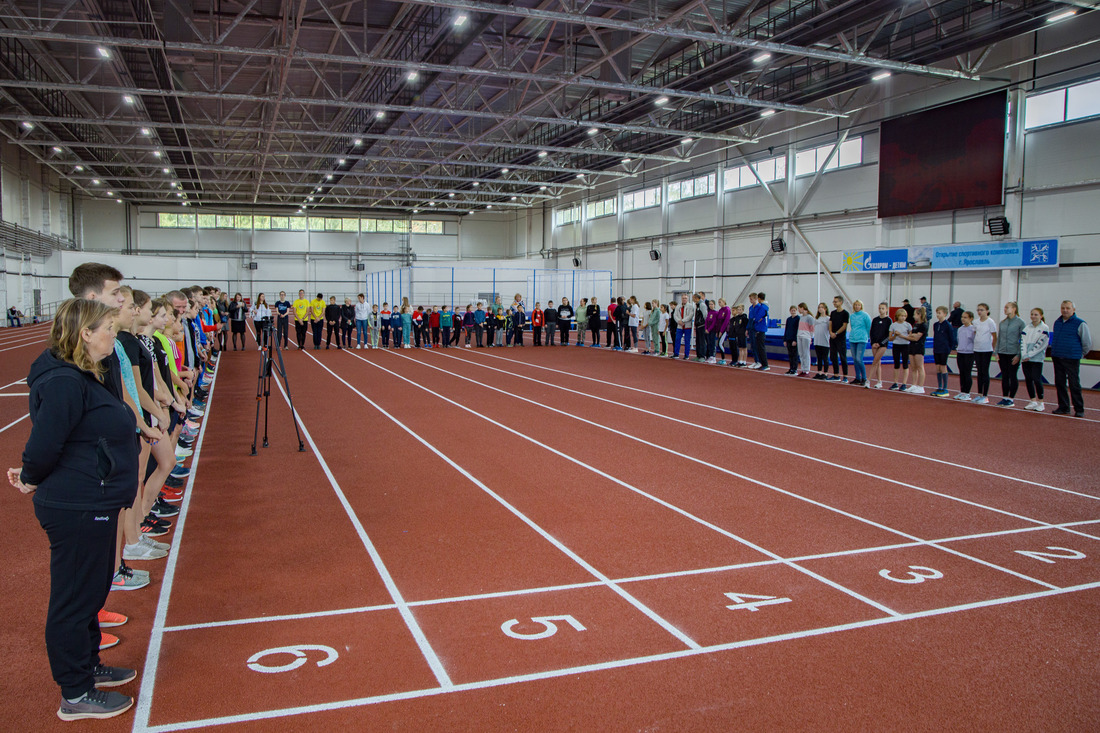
[95, 704]
[184, 443]
[112, 676]
[161, 508]
[173, 482]
[162, 523]
[150, 528]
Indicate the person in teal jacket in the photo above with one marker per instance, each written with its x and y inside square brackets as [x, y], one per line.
[406, 325]
[859, 332]
[446, 320]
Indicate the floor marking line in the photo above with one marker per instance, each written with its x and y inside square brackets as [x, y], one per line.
[23, 346]
[630, 579]
[631, 487]
[759, 444]
[761, 483]
[614, 664]
[144, 703]
[15, 394]
[782, 424]
[15, 422]
[652, 615]
[418, 635]
[18, 381]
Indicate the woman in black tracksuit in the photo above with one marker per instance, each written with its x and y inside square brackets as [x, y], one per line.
[332, 322]
[81, 464]
[593, 313]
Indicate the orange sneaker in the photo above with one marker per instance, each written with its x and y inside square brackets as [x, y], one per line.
[106, 641]
[108, 619]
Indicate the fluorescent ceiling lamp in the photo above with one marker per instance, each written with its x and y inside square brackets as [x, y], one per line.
[95, 181]
[56, 149]
[80, 168]
[626, 160]
[660, 101]
[1061, 16]
[580, 175]
[880, 76]
[476, 184]
[28, 125]
[505, 170]
[543, 153]
[450, 195]
[593, 130]
[513, 198]
[413, 75]
[767, 113]
[156, 153]
[164, 169]
[542, 188]
[416, 211]
[328, 177]
[103, 53]
[358, 141]
[379, 115]
[489, 206]
[145, 131]
[687, 140]
[127, 99]
[342, 161]
[460, 20]
[761, 57]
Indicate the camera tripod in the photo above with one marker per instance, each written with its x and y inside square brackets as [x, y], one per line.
[271, 362]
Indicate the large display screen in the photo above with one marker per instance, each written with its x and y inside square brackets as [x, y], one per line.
[951, 157]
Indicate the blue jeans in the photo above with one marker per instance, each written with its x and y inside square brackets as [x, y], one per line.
[683, 335]
[857, 359]
[360, 332]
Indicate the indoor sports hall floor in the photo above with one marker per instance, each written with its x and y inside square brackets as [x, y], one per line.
[564, 538]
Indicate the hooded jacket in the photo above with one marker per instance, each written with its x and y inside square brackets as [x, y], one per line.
[82, 453]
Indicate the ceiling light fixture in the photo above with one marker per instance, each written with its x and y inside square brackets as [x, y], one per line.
[342, 161]
[56, 149]
[145, 131]
[328, 177]
[358, 141]
[505, 170]
[379, 115]
[110, 193]
[627, 160]
[593, 130]
[761, 57]
[1061, 16]
[767, 113]
[688, 140]
[543, 153]
[95, 181]
[881, 75]
[309, 198]
[156, 153]
[580, 175]
[476, 184]
[416, 211]
[164, 170]
[450, 195]
[661, 101]
[513, 198]
[79, 168]
[460, 20]
[103, 53]
[431, 203]
[413, 75]
[489, 206]
[28, 125]
[127, 99]
[542, 188]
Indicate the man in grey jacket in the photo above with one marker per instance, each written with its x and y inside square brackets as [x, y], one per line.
[684, 317]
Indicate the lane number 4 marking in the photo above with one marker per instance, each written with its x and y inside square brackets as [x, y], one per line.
[1046, 556]
[299, 654]
[917, 574]
[549, 628]
[740, 604]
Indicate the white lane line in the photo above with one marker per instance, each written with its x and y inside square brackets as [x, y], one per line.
[399, 601]
[15, 422]
[604, 579]
[18, 381]
[631, 579]
[631, 487]
[23, 346]
[778, 423]
[152, 657]
[16, 394]
[701, 462]
[604, 666]
[759, 444]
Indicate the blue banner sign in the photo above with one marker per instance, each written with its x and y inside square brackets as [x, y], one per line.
[975, 256]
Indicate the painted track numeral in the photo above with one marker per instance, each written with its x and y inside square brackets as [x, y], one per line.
[915, 575]
[547, 622]
[1047, 556]
[299, 653]
[740, 604]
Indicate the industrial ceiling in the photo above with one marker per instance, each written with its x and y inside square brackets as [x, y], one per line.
[454, 104]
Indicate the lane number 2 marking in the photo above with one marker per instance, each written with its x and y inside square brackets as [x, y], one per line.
[299, 654]
[1046, 556]
[917, 574]
[740, 604]
[549, 628]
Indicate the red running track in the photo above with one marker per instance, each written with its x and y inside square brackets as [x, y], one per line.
[444, 494]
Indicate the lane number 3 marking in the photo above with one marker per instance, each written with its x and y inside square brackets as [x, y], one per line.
[917, 574]
[299, 654]
[549, 628]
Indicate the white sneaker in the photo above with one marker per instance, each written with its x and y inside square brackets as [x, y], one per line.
[915, 389]
[1030, 405]
[1040, 406]
[147, 540]
[963, 396]
[140, 551]
[184, 452]
[712, 360]
[980, 400]
[755, 365]
[878, 385]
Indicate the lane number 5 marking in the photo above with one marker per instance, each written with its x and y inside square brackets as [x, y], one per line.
[547, 622]
[915, 575]
[299, 654]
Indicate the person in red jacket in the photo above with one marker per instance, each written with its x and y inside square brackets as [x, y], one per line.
[536, 324]
[433, 323]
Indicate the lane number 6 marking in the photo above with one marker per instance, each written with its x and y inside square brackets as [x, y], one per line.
[915, 576]
[299, 653]
[547, 622]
